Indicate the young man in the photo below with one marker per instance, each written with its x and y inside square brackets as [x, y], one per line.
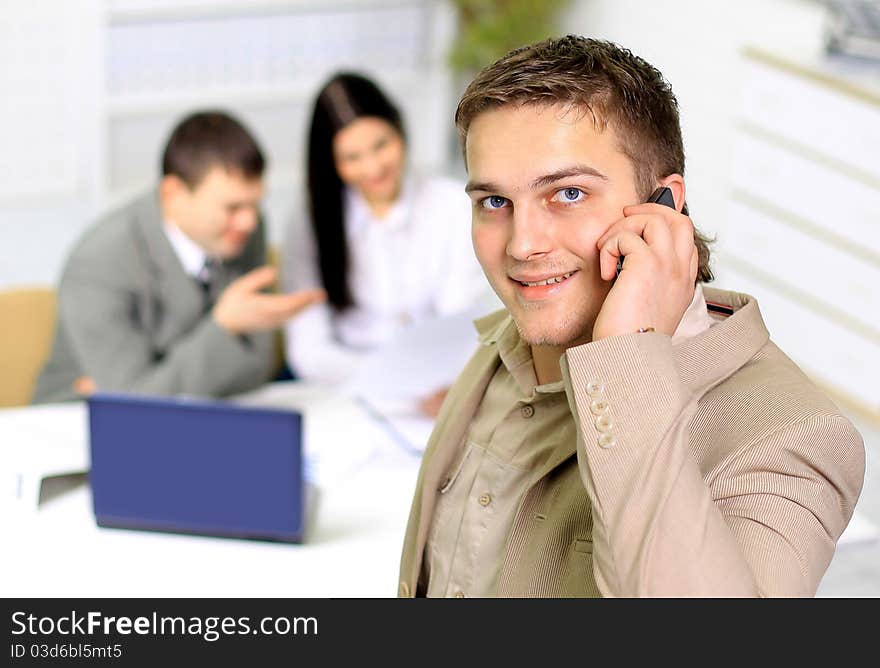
[614, 435]
[168, 294]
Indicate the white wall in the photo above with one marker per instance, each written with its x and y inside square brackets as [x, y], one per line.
[695, 43]
[91, 89]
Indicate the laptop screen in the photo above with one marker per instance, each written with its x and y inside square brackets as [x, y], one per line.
[196, 466]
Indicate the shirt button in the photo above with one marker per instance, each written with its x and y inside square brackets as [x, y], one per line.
[485, 499]
[595, 388]
[527, 411]
[598, 406]
[607, 440]
[459, 594]
[604, 423]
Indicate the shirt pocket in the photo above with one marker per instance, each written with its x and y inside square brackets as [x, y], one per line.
[579, 579]
[583, 546]
[448, 481]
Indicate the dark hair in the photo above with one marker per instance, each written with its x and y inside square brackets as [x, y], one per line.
[343, 99]
[208, 139]
[607, 82]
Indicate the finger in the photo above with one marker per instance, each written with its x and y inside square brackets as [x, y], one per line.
[624, 243]
[683, 235]
[85, 386]
[651, 207]
[256, 279]
[657, 236]
[654, 230]
[278, 308]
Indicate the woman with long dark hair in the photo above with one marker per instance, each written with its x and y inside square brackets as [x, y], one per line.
[389, 247]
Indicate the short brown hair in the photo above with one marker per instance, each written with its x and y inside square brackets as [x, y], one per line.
[208, 139]
[604, 80]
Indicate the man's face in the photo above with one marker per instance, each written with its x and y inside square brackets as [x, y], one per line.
[545, 185]
[219, 214]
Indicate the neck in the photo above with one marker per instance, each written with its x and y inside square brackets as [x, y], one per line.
[380, 206]
[546, 362]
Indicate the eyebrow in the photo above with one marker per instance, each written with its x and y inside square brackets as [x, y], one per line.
[547, 179]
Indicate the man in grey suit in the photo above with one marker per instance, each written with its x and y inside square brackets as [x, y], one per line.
[169, 294]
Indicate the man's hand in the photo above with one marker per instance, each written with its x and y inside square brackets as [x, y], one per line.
[431, 404]
[242, 308]
[85, 386]
[656, 284]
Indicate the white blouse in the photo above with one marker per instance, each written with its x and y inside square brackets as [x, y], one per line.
[414, 263]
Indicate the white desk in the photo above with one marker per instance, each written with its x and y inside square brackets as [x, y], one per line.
[352, 549]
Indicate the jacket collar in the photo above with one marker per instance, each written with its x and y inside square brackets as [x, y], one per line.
[149, 220]
[712, 356]
[703, 361]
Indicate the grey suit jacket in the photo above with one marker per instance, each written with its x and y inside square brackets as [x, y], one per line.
[132, 319]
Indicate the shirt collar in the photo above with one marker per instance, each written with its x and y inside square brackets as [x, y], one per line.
[190, 254]
[707, 349]
[696, 319]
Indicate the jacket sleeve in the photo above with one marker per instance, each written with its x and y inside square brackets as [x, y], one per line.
[763, 522]
[102, 323]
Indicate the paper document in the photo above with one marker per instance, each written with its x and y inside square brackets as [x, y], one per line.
[39, 442]
[338, 436]
[420, 360]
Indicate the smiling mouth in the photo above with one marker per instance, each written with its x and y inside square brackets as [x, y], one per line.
[548, 281]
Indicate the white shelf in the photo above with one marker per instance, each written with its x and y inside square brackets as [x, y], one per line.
[132, 105]
[148, 11]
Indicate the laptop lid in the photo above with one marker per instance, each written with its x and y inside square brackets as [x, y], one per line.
[196, 466]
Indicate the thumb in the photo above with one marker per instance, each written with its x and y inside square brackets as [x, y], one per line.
[302, 298]
[256, 279]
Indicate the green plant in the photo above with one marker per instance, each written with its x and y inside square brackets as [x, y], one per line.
[487, 29]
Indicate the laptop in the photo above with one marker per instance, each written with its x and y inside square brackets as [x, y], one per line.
[196, 466]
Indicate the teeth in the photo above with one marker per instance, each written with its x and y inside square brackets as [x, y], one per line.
[549, 281]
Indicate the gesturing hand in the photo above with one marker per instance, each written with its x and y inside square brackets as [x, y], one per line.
[660, 265]
[242, 307]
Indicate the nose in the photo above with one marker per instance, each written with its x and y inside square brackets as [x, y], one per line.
[245, 219]
[530, 236]
[373, 166]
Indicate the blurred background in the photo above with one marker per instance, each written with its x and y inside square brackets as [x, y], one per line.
[780, 104]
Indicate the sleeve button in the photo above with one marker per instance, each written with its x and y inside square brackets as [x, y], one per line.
[595, 388]
[604, 423]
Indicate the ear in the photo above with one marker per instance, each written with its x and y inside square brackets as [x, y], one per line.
[675, 182]
[171, 190]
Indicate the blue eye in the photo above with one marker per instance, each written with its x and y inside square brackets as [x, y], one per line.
[493, 202]
[569, 195]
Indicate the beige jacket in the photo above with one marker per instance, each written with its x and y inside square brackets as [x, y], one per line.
[722, 471]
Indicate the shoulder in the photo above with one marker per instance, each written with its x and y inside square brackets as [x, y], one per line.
[114, 242]
[113, 237]
[770, 403]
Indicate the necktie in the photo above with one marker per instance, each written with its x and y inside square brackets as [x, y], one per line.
[204, 278]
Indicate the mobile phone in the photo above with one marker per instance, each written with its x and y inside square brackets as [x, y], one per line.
[663, 195]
